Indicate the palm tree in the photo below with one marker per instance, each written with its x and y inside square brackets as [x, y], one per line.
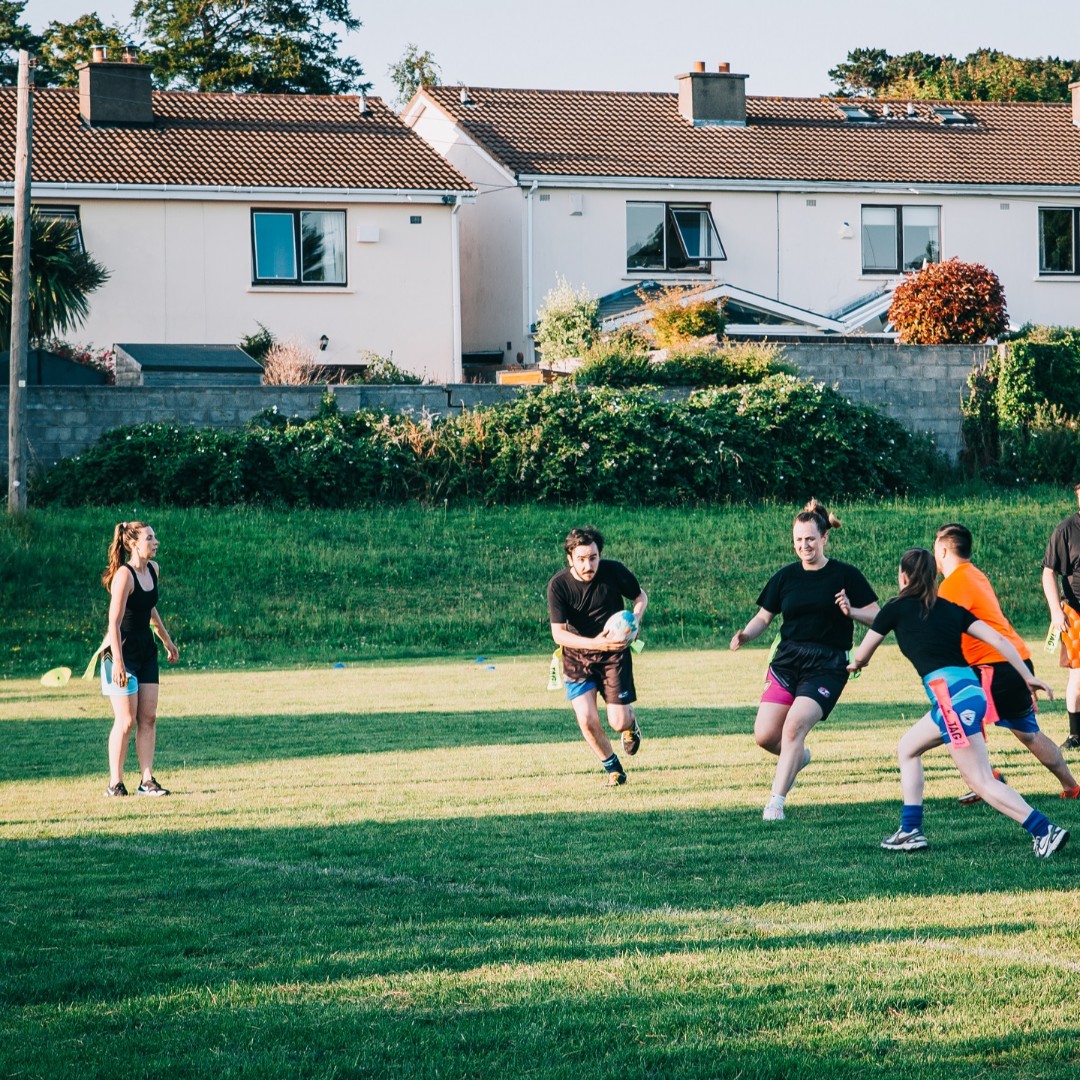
[61, 277]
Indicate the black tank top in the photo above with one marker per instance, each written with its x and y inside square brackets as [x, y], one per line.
[135, 625]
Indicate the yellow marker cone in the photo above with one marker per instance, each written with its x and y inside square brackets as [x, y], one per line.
[57, 677]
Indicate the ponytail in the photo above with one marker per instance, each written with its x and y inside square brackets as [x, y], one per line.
[920, 569]
[819, 514]
[124, 535]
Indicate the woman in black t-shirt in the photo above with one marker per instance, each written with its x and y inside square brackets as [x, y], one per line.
[929, 631]
[808, 671]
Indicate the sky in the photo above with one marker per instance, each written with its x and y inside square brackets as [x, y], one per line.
[786, 47]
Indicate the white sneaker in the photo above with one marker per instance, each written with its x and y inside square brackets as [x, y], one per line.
[774, 811]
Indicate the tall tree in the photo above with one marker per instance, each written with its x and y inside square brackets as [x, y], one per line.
[14, 35]
[64, 46]
[61, 278]
[414, 70]
[984, 75]
[261, 46]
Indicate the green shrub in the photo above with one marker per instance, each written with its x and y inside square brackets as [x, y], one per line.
[1026, 390]
[382, 371]
[779, 438]
[729, 365]
[567, 323]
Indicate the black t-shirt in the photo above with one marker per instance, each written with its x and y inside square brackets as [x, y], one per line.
[1063, 557]
[584, 606]
[807, 600]
[929, 639]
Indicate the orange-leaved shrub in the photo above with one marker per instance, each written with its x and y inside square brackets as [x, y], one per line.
[949, 303]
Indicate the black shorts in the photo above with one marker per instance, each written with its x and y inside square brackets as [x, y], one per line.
[140, 660]
[1012, 697]
[611, 674]
[802, 670]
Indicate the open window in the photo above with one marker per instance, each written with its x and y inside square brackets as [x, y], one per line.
[69, 214]
[671, 236]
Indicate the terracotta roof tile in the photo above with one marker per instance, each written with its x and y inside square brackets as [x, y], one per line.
[231, 140]
[602, 133]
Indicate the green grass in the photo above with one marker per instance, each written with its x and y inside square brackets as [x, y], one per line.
[252, 588]
[413, 870]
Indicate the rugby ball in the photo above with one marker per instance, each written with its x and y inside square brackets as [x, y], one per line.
[622, 626]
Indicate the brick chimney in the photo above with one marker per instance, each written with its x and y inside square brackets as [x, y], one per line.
[712, 98]
[1075, 88]
[114, 93]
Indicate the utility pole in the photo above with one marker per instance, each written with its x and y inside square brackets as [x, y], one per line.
[20, 291]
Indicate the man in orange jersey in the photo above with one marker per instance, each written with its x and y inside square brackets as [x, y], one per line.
[1062, 560]
[965, 584]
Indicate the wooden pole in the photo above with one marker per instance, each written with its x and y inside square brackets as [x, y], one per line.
[20, 291]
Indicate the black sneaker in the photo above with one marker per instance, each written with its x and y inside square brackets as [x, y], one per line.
[1071, 743]
[150, 787]
[116, 790]
[631, 740]
[1054, 840]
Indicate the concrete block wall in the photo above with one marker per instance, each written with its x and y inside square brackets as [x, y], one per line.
[921, 386]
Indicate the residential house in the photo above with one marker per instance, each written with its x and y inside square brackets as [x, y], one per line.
[323, 218]
[801, 212]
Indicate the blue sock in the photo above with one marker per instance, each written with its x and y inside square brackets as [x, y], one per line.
[612, 764]
[1037, 824]
[911, 817]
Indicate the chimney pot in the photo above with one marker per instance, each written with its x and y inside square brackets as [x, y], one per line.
[724, 68]
[1075, 89]
[98, 54]
[130, 55]
[699, 65]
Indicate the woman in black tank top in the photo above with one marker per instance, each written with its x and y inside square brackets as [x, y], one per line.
[132, 581]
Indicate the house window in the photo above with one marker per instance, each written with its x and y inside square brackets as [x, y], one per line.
[298, 247]
[897, 238]
[1059, 231]
[670, 236]
[69, 214]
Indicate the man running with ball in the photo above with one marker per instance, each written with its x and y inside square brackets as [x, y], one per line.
[582, 597]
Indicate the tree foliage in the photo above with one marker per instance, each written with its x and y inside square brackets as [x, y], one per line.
[14, 35]
[949, 303]
[984, 75]
[414, 70]
[63, 46]
[256, 46]
[61, 278]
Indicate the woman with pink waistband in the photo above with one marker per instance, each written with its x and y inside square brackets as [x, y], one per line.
[808, 670]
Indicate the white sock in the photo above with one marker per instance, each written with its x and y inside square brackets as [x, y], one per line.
[776, 800]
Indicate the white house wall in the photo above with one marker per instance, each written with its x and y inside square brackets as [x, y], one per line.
[180, 272]
[782, 247]
[493, 305]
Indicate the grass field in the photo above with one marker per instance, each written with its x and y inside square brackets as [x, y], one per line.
[255, 588]
[413, 870]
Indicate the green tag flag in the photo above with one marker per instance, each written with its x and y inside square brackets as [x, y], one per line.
[555, 674]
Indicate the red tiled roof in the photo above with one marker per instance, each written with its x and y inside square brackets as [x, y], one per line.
[603, 133]
[232, 140]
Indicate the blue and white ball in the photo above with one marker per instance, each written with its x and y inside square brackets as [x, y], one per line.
[622, 626]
